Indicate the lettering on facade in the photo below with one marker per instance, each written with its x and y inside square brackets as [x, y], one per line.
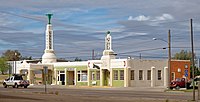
[108, 42]
[70, 69]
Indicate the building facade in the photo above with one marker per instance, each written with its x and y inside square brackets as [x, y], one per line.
[108, 71]
[180, 69]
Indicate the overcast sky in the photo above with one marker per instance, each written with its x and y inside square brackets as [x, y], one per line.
[81, 25]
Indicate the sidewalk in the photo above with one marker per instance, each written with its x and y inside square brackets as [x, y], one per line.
[158, 89]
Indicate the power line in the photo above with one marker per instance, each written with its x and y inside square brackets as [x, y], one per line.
[142, 50]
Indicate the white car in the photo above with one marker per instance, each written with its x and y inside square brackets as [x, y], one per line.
[15, 81]
[196, 81]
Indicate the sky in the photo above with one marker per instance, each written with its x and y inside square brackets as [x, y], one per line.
[80, 26]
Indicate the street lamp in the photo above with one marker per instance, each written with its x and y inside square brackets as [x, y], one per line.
[169, 55]
[160, 39]
[15, 62]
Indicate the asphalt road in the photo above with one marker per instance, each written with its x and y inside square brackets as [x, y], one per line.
[88, 94]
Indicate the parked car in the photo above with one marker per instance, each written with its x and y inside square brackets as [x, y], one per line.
[196, 81]
[15, 81]
[178, 83]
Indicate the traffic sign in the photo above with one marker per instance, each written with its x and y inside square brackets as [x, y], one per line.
[186, 71]
[186, 75]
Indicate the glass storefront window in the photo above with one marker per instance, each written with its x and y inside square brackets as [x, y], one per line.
[82, 75]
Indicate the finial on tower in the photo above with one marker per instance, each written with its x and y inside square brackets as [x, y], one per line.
[108, 32]
[49, 17]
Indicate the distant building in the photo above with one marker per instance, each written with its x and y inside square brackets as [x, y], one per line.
[198, 63]
[180, 69]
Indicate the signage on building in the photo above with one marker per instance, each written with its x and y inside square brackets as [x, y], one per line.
[70, 69]
[186, 73]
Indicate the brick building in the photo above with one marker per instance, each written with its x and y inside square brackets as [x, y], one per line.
[180, 69]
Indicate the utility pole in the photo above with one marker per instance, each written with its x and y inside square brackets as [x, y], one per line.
[93, 54]
[191, 32]
[169, 58]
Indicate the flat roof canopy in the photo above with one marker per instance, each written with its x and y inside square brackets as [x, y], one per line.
[40, 66]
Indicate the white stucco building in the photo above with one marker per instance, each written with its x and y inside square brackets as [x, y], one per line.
[108, 71]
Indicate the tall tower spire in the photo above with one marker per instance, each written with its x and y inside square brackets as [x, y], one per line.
[49, 17]
[108, 45]
[108, 53]
[49, 55]
[108, 41]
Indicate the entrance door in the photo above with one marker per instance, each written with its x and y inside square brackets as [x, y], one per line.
[106, 77]
[62, 78]
[70, 80]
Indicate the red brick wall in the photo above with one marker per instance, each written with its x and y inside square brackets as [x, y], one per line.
[181, 66]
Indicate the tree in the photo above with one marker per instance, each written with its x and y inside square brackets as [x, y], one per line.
[185, 55]
[12, 55]
[77, 59]
[196, 73]
[3, 65]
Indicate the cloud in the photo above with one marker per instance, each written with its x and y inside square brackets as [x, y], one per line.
[128, 35]
[163, 17]
[139, 18]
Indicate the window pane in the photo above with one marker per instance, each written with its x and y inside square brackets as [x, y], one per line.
[18, 78]
[58, 78]
[115, 75]
[159, 74]
[93, 76]
[85, 72]
[121, 74]
[84, 77]
[140, 74]
[62, 71]
[79, 77]
[98, 75]
[132, 75]
[173, 76]
[148, 74]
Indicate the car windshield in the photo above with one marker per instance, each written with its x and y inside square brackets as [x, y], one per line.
[7, 79]
[18, 78]
[178, 79]
[197, 79]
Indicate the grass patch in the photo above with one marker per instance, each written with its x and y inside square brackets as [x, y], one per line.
[2, 77]
[187, 90]
[38, 78]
